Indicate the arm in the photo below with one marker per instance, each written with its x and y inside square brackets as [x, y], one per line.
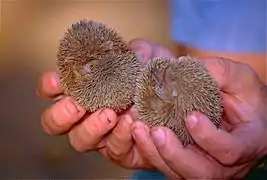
[256, 61]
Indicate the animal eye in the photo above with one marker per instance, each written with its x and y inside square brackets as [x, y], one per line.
[159, 91]
[87, 67]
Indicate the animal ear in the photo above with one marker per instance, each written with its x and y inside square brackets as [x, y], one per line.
[170, 82]
[87, 67]
[157, 76]
[167, 76]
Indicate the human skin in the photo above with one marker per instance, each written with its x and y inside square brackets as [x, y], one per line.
[118, 144]
[228, 153]
[258, 61]
[62, 116]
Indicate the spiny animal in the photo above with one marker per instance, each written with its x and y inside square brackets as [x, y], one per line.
[168, 89]
[96, 67]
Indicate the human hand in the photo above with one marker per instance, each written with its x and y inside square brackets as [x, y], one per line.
[220, 153]
[119, 145]
[66, 117]
[104, 130]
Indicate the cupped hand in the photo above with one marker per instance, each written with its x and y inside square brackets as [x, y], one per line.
[221, 154]
[104, 130]
[66, 116]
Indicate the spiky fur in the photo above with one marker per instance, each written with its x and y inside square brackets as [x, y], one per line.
[193, 90]
[96, 67]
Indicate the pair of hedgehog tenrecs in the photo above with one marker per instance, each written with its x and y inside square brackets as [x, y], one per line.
[98, 69]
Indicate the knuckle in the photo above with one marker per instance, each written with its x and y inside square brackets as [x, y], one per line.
[117, 147]
[91, 127]
[75, 144]
[248, 71]
[117, 137]
[114, 149]
[60, 115]
[246, 67]
[47, 122]
[115, 154]
[223, 67]
[89, 133]
[54, 120]
[45, 125]
[230, 157]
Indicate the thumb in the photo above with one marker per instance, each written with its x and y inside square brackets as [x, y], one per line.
[227, 148]
[232, 77]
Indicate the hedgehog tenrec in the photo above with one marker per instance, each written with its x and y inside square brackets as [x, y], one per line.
[169, 89]
[96, 67]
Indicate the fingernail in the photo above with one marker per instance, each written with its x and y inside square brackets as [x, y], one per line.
[158, 137]
[71, 107]
[104, 116]
[191, 121]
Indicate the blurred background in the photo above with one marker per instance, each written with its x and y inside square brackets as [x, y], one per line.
[30, 31]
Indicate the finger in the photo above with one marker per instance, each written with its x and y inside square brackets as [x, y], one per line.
[184, 161]
[120, 140]
[133, 113]
[148, 150]
[142, 48]
[147, 50]
[248, 127]
[225, 125]
[230, 75]
[86, 135]
[223, 146]
[48, 85]
[59, 118]
[231, 104]
[161, 51]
